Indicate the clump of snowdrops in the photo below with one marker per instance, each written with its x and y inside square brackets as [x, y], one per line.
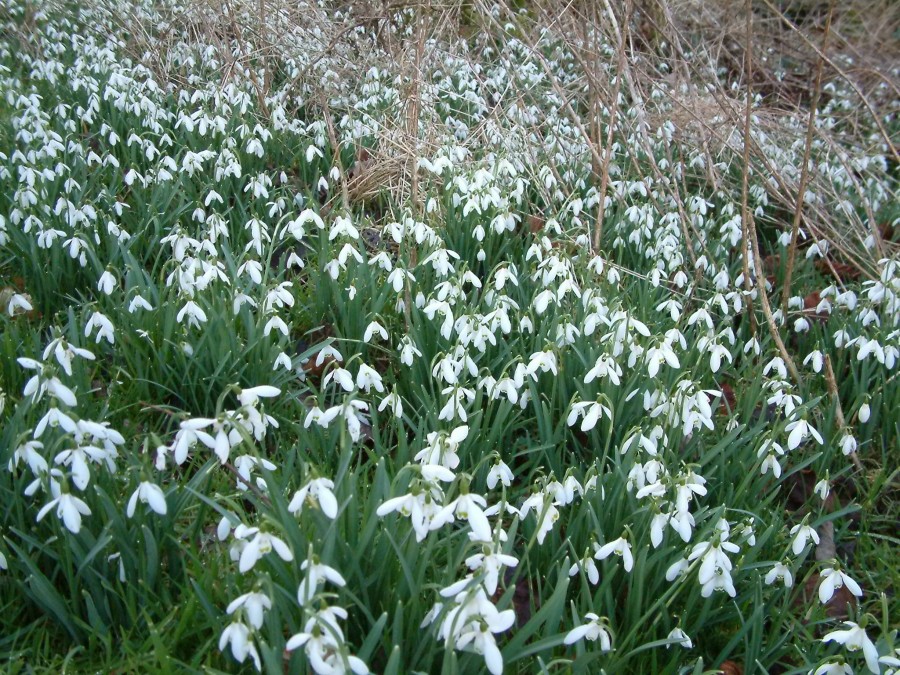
[243, 427]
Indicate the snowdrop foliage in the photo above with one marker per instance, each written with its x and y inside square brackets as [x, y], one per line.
[447, 404]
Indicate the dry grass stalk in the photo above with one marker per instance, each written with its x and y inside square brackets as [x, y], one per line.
[804, 173]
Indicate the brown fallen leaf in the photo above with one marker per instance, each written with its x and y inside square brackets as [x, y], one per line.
[729, 400]
[844, 271]
[523, 596]
[731, 668]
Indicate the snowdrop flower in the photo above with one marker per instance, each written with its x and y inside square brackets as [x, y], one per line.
[854, 638]
[471, 508]
[593, 630]
[394, 402]
[546, 513]
[316, 575]
[54, 418]
[455, 405]
[254, 605]
[261, 544]
[342, 227]
[782, 572]
[564, 493]
[275, 322]
[375, 328]
[106, 283]
[69, 508]
[220, 443]
[719, 580]
[677, 569]
[150, 494]
[319, 491]
[605, 367]
[657, 525]
[412, 506]
[592, 412]
[892, 662]
[620, 547]
[408, 351]
[832, 579]
[865, 411]
[368, 378]
[195, 315]
[138, 302]
[251, 396]
[715, 566]
[490, 563]
[65, 353]
[343, 377]
[802, 534]
[544, 361]
[823, 488]
[798, 431]
[238, 635]
[662, 353]
[322, 641]
[681, 637]
[330, 353]
[848, 444]
[588, 565]
[480, 635]
[771, 450]
[817, 360]
[499, 472]
[833, 668]
[105, 329]
[18, 304]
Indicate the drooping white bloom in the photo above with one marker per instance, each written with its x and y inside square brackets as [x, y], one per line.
[595, 629]
[619, 547]
[138, 302]
[254, 604]
[69, 508]
[854, 638]
[489, 563]
[590, 568]
[150, 494]
[681, 637]
[823, 488]
[368, 378]
[865, 412]
[251, 396]
[106, 283]
[323, 642]
[831, 579]
[799, 430]
[833, 668]
[195, 315]
[470, 507]
[343, 377]
[105, 329]
[394, 402]
[317, 573]
[802, 533]
[480, 635]
[499, 472]
[238, 635]
[374, 328]
[262, 543]
[318, 490]
[780, 571]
